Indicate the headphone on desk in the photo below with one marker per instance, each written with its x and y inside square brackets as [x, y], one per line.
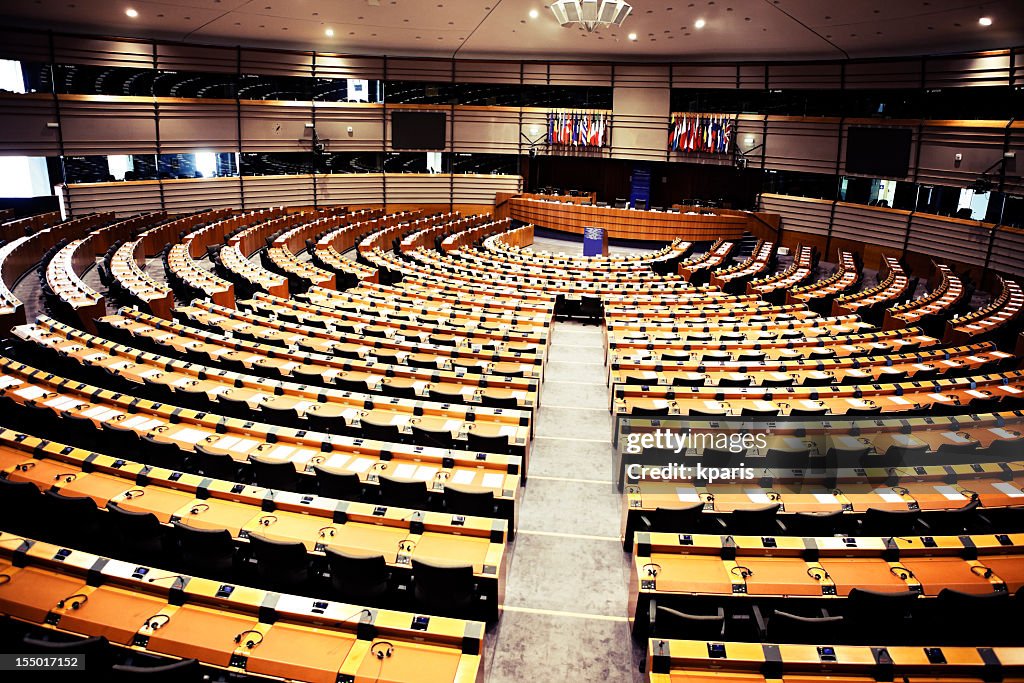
[382, 649]
[75, 604]
[199, 507]
[249, 644]
[152, 623]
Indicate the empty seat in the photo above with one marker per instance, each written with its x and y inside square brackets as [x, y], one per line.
[20, 503]
[460, 501]
[72, 521]
[205, 552]
[447, 590]
[666, 622]
[340, 485]
[759, 521]
[275, 474]
[139, 535]
[95, 650]
[402, 493]
[281, 565]
[360, 579]
[183, 671]
[786, 627]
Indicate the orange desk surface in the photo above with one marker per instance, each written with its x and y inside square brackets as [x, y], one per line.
[32, 593]
[409, 662]
[301, 653]
[200, 632]
[870, 573]
[115, 613]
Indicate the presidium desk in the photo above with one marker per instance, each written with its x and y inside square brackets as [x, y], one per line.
[659, 226]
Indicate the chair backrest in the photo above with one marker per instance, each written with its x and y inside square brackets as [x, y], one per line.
[281, 563]
[216, 465]
[205, 549]
[670, 623]
[411, 494]
[340, 485]
[184, 671]
[275, 474]
[461, 501]
[675, 519]
[446, 589]
[74, 514]
[357, 578]
[876, 606]
[96, 650]
[785, 627]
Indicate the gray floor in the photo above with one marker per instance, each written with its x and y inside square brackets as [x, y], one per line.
[565, 600]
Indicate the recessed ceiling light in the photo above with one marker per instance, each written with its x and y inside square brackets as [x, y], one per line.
[985, 21]
[699, 23]
[329, 33]
[632, 36]
[132, 12]
[534, 14]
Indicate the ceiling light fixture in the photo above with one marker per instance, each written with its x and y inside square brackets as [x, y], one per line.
[329, 33]
[591, 14]
[699, 23]
[131, 12]
[985, 21]
[632, 36]
[534, 14]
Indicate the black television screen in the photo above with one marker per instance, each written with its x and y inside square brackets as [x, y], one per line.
[417, 130]
[878, 151]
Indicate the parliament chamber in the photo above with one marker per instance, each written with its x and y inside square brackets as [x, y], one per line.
[586, 341]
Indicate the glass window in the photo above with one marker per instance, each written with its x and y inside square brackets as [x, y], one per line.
[24, 177]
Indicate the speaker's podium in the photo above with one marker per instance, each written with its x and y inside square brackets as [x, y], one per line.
[595, 241]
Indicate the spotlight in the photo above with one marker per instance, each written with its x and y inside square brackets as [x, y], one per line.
[132, 12]
[699, 23]
[632, 36]
[329, 33]
[534, 14]
[985, 21]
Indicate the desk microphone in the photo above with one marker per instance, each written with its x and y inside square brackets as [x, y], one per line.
[176, 577]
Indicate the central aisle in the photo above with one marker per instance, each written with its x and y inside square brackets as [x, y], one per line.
[565, 601]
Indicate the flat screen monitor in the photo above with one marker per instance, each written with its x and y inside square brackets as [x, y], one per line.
[418, 130]
[883, 152]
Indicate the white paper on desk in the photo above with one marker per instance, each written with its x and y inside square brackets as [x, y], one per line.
[149, 424]
[288, 367]
[1008, 489]
[424, 473]
[150, 373]
[950, 492]
[889, 496]
[758, 496]
[337, 461]
[1003, 434]
[243, 445]
[493, 480]
[184, 381]
[133, 422]
[30, 393]
[898, 400]
[189, 435]
[361, 464]
[955, 438]
[61, 402]
[687, 494]
[712, 405]
[1008, 389]
[976, 394]
[218, 390]
[828, 498]
[941, 398]
[281, 452]
[405, 471]
[9, 382]
[463, 477]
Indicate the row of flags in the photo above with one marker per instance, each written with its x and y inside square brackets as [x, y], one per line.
[692, 132]
[578, 129]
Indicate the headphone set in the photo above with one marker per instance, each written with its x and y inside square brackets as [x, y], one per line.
[250, 644]
[267, 520]
[152, 623]
[25, 466]
[327, 531]
[134, 493]
[75, 604]
[652, 569]
[68, 477]
[196, 509]
[382, 649]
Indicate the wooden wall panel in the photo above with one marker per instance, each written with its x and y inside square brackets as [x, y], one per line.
[334, 118]
[193, 194]
[419, 69]
[122, 198]
[481, 189]
[802, 144]
[418, 188]
[804, 76]
[905, 73]
[988, 69]
[277, 190]
[882, 227]
[486, 130]
[640, 115]
[23, 129]
[583, 73]
[173, 57]
[950, 238]
[349, 66]
[101, 125]
[276, 62]
[799, 214]
[198, 125]
[480, 71]
[103, 52]
[276, 126]
[1008, 252]
[701, 76]
[350, 189]
[980, 143]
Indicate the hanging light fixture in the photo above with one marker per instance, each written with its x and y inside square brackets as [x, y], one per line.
[591, 14]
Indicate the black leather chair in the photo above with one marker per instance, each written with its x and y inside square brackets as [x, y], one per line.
[666, 622]
[359, 579]
[139, 536]
[446, 590]
[72, 521]
[218, 465]
[281, 565]
[401, 493]
[673, 519]
[275, 474]
[340, 485]
[96, 650]
[209, 553]
[787, 627]
[20, 503]
[183, 671]
[878, 522]
[460, 501]
[758, 521]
